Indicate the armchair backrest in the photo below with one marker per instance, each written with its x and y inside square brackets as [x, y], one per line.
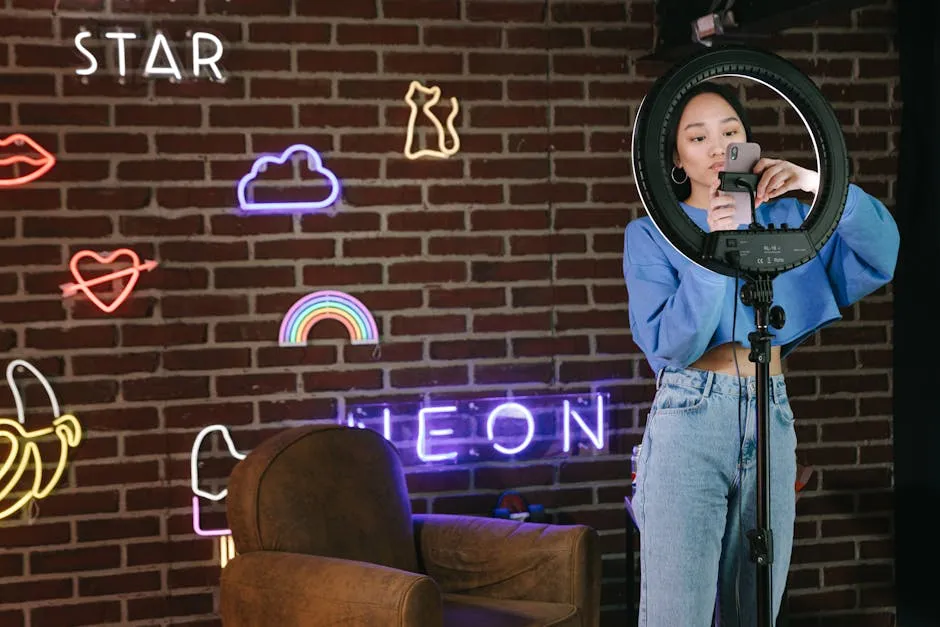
[326, 490]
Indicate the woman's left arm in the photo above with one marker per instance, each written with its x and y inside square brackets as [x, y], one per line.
[866, 240]
[865, 247]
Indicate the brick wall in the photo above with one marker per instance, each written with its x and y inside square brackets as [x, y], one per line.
[495, 269]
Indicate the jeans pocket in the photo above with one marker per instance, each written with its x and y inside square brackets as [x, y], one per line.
[783, 411]
[672, 399]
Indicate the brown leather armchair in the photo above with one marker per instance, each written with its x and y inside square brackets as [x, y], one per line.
[324, 535]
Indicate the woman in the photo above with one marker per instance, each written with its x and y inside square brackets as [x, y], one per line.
[696, 474]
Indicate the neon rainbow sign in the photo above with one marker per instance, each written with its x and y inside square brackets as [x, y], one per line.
[328, 305]
[314, 164]
[43, 162]
[226, 543]
[24, 449]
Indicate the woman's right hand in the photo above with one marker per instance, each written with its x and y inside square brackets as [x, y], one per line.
[720, 211]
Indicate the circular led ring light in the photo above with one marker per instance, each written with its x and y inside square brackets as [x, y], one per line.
[657, 110]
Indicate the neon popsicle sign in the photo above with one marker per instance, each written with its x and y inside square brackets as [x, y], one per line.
[226, 543]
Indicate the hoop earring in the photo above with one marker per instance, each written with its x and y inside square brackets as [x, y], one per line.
[672, 175]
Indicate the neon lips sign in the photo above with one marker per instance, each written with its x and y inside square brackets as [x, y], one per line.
[36, 166]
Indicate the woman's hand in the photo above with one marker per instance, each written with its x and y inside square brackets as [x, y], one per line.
[779, 177]
[720, 210]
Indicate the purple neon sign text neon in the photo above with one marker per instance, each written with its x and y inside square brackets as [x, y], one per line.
[530, 427]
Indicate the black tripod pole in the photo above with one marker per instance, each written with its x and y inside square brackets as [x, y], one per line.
[757, 292]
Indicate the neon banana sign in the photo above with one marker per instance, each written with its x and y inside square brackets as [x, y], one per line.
[24, 453]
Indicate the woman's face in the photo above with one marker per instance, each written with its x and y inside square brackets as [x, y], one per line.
[707, 125]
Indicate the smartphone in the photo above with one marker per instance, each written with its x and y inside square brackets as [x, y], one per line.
[741, 157]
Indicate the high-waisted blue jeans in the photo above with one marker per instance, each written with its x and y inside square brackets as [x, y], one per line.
[696, 499]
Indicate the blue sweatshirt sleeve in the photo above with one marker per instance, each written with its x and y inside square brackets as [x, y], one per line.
[673, 314]
[865, 248]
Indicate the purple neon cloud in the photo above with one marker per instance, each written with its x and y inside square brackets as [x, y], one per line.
[314, 164]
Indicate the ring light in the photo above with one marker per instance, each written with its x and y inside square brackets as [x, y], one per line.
[793, 245]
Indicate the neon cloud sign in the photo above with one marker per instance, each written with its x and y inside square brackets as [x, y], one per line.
[25, 454]
[435, 95]
[314, 164]
[42, 163]
[522, 428]
[226, 543]
[159, 47]
[327, 305]
[132, 273]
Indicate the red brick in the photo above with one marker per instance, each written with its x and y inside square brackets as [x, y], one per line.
[502, 11]
[463, 246]
[462, 36]
[168, 606]
[343, 380]
[350, 62]
[380, 34]
[427, 272]
[428, 325]
[544, 38]
[114, 584]
[428, 377]
[501, 323]
[77, 614]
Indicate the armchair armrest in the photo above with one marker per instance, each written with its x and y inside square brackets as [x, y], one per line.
[506, 559]
[293, 590]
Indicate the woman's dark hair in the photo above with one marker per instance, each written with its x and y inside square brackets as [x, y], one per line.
[683, 190]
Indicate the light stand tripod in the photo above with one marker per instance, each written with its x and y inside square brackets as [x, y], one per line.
[757, 292]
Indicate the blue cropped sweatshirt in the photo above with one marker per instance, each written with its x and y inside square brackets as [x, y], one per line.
[679, 310]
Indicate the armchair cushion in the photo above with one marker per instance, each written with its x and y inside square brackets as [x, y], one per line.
[462, 610]
[290, 589]
[506, 559]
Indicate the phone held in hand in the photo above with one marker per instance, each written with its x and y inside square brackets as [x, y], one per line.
[741, 157]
